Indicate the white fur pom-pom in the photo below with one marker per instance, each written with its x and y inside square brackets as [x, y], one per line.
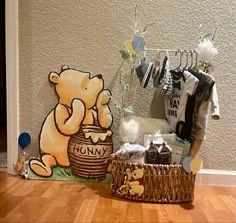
[206, 50]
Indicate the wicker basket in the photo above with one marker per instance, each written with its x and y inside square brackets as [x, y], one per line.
[160, 183]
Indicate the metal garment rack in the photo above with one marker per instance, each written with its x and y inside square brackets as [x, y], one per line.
[181, 51]
[169, 50]
[162, 50]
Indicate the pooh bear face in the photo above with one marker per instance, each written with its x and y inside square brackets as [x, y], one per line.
[70, 84]
[137, 174]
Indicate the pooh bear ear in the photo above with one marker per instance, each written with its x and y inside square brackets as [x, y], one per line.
[64, 67]
[54, 77]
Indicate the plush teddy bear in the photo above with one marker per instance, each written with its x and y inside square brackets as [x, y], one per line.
[82, 101]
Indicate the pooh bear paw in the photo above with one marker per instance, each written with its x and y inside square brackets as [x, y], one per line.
[103, 98]
[78, 106]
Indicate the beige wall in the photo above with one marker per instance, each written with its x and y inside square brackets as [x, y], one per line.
[87, 34]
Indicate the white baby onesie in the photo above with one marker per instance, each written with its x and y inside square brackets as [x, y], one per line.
[175, 105]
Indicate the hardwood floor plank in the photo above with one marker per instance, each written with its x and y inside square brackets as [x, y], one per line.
[64, 201]
[7, 205]
[86, 210]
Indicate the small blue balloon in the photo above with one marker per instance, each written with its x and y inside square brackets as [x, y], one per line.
[138, 44]
[186, 164]
[24, 139]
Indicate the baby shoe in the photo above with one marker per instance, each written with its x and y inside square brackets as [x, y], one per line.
[156, 73]
[144, 71]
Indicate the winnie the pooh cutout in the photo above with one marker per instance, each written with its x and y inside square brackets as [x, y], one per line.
[76, 133]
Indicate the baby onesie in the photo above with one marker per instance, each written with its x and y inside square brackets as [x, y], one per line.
[210, 106]
[202, 94]
[184, 85]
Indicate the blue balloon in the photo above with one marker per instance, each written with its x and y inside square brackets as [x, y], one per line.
[138, 44]
[186, 164]
[24, 139]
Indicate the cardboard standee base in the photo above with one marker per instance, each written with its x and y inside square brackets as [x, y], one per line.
[60, 173]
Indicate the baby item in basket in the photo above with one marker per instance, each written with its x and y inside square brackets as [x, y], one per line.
[158, 153]
[133, 153]
[133, 128]
[159, 138]
[164, 154]
[151, 154]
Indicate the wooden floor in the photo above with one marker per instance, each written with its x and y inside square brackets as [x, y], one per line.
[51, 201]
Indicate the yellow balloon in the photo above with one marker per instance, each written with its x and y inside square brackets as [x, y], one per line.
[128, 46]
[196, 165]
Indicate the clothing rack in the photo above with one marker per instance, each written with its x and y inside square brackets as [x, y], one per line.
[162, 50]
[169, 50]
[181, 51]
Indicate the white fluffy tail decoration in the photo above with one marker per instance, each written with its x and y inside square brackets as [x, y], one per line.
[206, 50]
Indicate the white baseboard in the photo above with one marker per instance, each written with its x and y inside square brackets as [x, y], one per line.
[216, 177]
